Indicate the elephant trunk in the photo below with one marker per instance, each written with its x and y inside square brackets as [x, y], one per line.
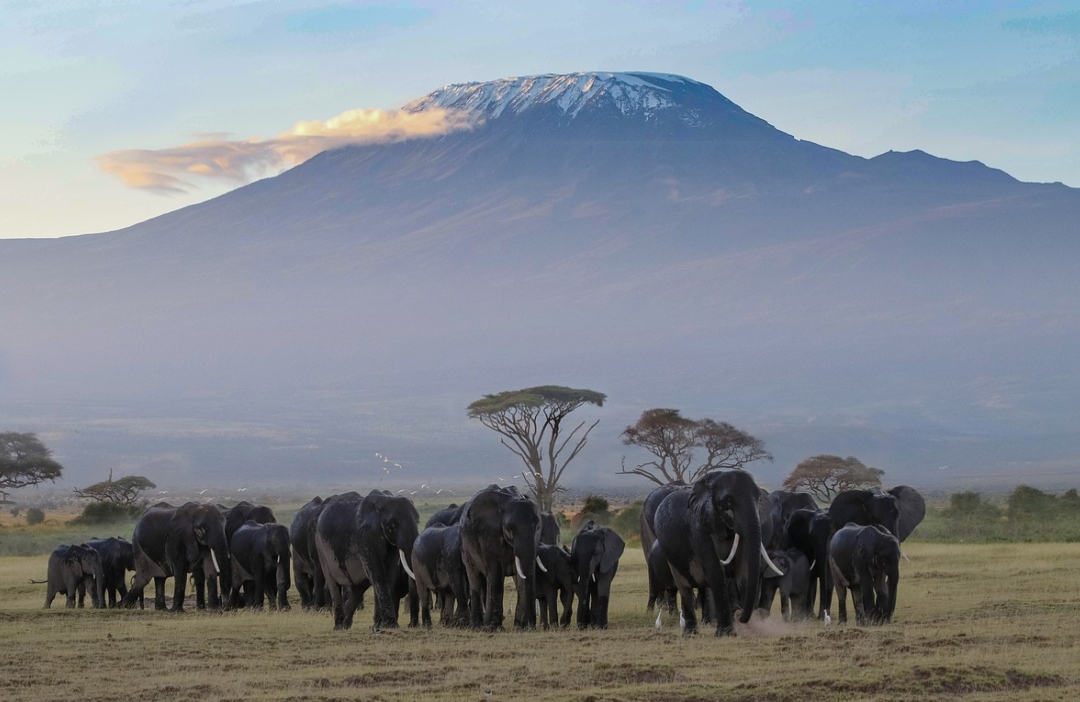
[749, 571]
[525, 555]
[283, 582]
[221, 561]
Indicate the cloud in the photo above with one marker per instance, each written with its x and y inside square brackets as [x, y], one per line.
[171, 170]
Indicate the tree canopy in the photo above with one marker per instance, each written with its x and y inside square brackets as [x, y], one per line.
[124, 491]
[685, 449]
[530, 424]
[24, 460]
[825, 476]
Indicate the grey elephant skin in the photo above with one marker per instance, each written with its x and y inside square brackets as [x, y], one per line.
[865, 560]
[792, 586]
[658, 565]
[117, 558]
[555, 586]
[260, 563]
[72, 571]
[899, 509]
[500, 537]
[594, 558]
[235, 517]
[809, 531]
[440, 575]
[307, 571]
[697, 528]
[784, 504]
[176, 541]
[362, 542]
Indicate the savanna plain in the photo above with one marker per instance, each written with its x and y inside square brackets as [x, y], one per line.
[973, 622]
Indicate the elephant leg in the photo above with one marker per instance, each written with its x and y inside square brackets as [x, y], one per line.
[477, 590]
[785, 606]
[257, 586]
[841, 603]
[689, 611]
[566, 595]
[179, 590]
[303, 584]
[337, 605]
[351, 603]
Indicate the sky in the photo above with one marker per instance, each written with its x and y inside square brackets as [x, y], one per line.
[87, 87]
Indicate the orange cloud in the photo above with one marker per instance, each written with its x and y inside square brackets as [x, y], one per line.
[171, 170]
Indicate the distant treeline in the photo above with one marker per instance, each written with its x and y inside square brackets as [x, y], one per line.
[1026, 515]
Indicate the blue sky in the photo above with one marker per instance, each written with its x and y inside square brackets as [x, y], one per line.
[994, 81]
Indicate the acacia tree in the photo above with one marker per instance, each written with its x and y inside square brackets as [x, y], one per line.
[123, 492]
[530, 422]
[685, 449]
[24, 460]
[826, 476]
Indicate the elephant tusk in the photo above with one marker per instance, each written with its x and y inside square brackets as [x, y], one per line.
[812, 564]
[734, 546]
[594, 577]
[768, 561]
[520, 572]
[405, 564]
[540, 564]
[659, 613]
[905, 556]
[217, 568]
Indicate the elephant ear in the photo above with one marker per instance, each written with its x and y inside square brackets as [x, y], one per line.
[613, 550]
[912, 509]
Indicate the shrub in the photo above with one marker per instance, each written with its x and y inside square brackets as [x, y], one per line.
[107, 512]
[34, 516]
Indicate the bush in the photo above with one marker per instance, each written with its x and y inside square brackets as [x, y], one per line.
[107, 512]
[34, 516]
[594, 504]
[627, 521]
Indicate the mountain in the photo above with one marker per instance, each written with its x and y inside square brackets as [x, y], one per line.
[633, 233]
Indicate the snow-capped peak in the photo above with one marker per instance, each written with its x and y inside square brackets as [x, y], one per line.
[633, 94]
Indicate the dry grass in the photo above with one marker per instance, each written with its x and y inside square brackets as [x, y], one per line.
[996, 622]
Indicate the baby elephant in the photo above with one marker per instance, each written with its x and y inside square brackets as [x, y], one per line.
[866, 560]
[594, 556]
[793, 585]
[73, 569]
[554, 585]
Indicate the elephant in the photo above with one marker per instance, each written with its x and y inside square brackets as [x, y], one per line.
[899, 510]
[792, 585]
[550, 533]
[117, 557]
[500, 535]
[243, 512]
[594, 559]
[364, 541]
[439, 571]
[555, 585]
[809, 531]
[784, 504]
[445, 517]
[648, 539]
[866, 560]
[260, 556]
[307, 571]
[73, 570]
[174, 541]
[708, 528]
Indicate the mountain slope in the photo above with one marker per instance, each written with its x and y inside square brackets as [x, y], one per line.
[637, 233]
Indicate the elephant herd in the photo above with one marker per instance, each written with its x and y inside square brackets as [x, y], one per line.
[341, 547]
[721, 546]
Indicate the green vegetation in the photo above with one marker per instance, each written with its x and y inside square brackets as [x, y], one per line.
[1028, 515]
[826, 476]
[24, 461]
[35, 516]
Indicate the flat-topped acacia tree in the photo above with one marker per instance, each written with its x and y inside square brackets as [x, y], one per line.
[531, 424]
[24, 460]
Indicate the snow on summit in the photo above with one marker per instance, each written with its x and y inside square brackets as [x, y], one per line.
[631, 93]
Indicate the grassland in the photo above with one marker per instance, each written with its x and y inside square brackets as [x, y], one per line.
[974, 622]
